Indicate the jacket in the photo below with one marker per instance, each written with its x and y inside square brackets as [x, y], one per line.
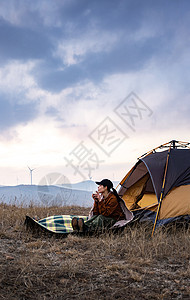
[109, 207]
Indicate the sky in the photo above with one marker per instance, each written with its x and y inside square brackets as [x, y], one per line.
[86, 87]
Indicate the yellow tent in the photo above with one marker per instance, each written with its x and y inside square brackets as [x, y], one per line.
[157, 188]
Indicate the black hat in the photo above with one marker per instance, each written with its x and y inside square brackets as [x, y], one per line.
[105, 182]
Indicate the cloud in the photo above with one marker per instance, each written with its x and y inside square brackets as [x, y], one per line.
[94, 66]
[78, 41]
[72, 51]
[13, 113]
[67, 64]
[98, 40]
[18, 102]
[22, 43]
[15, 77]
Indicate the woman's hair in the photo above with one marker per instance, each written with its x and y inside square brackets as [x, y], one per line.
[109, 187]
[115, 194]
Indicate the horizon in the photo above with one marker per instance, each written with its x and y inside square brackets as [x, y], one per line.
[58, 185]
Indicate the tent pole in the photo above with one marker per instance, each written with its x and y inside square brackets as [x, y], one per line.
[150, 152]
[184, 144]
[162, 191]
[123, 180]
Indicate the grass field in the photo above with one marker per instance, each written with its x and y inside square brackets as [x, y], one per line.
[130, 265]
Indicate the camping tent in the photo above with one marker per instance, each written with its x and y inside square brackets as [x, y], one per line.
[157, 188]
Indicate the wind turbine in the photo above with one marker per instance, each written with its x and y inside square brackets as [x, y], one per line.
[31, 170]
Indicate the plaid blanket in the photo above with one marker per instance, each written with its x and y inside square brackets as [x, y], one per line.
[55, 224]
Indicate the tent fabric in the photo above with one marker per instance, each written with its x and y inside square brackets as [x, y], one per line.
[140, 171]
[152, 164]
[132, 194]
[147, 200]
[179, 219]
[178, 171]
[141, 189]
[155, 164]
[149, 216]
[176, 203]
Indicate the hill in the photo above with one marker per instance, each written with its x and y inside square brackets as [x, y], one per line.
[44, 195]
[50, 195]
[87, 185]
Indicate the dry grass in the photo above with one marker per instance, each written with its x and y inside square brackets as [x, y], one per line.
[130, 265]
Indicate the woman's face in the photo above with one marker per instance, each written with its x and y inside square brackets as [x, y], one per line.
[102, 189]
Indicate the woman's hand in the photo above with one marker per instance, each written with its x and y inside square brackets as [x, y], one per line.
[96, 196]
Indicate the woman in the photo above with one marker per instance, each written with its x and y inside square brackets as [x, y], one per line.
[106, 210]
